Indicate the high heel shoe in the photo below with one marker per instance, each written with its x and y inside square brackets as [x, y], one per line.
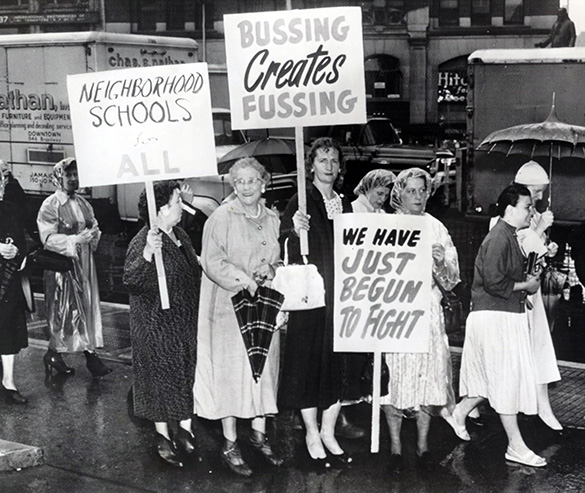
[167, 451]
[259, 442]
[231, 456]
[340, 460]
[13, 396]
[52, 359]
[185, 441]
[95, 365]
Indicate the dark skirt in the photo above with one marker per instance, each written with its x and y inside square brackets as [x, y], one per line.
[13, 332]
[312, 374]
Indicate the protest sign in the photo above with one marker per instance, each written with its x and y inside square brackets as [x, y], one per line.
[383, 266]
[142, 124]
[297, 67]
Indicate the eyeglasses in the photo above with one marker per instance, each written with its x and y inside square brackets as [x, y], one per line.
[240, 182]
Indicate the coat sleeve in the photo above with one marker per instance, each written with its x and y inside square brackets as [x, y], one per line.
[496, 278]
[214, 258]
[48, 223]
[97, 234]
[139, 274]
[287, 231]
[448, 273]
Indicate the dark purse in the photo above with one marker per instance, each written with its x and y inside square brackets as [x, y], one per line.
[452, 309]
[48, 260]
[367, 377]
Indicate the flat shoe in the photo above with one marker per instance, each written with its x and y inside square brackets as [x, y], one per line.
[396, 464]
[341, 459]
[528, 459]
[14, 396]
[459, 430]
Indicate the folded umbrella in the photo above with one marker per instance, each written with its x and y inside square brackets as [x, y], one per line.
[256, 317]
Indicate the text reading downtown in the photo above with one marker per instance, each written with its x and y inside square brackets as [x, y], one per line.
[380, 278]
[144, 100]
[316, 69]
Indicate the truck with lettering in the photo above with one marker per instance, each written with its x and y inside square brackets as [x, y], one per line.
[35, 122]
[509, 87]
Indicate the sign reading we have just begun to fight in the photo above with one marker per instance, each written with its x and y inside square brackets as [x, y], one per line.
[142, 124]
[296, 67]
[383, 272]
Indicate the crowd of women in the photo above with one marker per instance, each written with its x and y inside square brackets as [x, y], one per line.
[192, 359]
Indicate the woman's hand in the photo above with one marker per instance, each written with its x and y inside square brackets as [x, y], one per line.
[438, 254]
[552, 248]
[8, 250]
[187, 193]
[84, 237]
[264, 273]
[547, 218]
[532, 284]
[301, 221]
[252, 287]
[153, 243]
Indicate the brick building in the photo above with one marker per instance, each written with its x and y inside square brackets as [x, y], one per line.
[415, 50]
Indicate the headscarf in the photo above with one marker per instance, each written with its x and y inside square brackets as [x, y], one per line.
[59, 170]
[400, 185]
[373, 179]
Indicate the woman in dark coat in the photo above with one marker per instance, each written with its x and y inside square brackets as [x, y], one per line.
[164, 342]
[314, 377]
[13, 332]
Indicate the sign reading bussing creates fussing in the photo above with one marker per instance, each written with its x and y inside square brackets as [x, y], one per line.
[296, 68]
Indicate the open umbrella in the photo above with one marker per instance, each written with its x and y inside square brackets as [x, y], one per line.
[256, 317]
[276, 154]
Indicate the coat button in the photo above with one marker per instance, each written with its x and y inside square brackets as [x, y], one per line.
[260, 227]
[264, 242]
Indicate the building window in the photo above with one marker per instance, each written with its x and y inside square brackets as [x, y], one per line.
[513, 11]
[480, 13]
[147, 15]
[383, 77]
[449, 12]
[15, 3]
[175, 15]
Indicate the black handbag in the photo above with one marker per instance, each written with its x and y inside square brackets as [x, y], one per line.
[452, 309]
[367, 377]
[48, 260]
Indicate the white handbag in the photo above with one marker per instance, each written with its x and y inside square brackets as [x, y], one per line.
[302, 285]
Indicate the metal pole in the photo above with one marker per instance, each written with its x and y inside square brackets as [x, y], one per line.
[203, 37]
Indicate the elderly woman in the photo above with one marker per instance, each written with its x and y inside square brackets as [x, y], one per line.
[420, 383]
[497, 362]
[67, 225]
[13, 333]
[240, 250]
[373, 191]
[164, 342]
[314, 377]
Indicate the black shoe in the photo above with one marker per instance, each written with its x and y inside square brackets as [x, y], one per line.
[95, 365]
[476, 421]
[340, 460]
[185, 442]
[297, 421]
[231, 456]
[259, 441]
[396, 464]
[167, 451]
[425, 461]
[52, 359]
[345, 429]
[14, 396]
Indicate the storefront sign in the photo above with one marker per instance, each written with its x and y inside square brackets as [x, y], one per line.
[57, 18]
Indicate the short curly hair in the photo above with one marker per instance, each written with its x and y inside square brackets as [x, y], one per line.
[325, 143]
[163, 191]
[248, 162]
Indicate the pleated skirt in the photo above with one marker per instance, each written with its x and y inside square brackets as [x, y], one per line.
[498, 362]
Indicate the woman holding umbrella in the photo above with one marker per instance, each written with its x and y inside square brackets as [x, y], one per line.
[240, 251]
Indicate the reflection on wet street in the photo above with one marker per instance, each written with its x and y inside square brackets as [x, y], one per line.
[93, 443]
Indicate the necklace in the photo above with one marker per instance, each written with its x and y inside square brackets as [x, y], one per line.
[257, 215]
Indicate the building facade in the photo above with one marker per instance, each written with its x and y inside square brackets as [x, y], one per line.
[415, 51]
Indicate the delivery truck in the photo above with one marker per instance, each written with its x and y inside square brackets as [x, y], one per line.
[35, 123]
[509, 87]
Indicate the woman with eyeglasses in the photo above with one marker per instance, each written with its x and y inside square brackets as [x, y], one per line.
[240, 250]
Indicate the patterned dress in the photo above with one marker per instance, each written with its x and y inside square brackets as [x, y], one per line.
[425, 379]
[72, 298]
[164, 342]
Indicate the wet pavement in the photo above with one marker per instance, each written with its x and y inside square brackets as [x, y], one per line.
[93, 443]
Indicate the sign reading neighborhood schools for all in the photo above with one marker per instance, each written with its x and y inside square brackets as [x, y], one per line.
[296, 67]
[142, 124]
[383, 265]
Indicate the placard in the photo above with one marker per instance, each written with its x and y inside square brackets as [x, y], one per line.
[142, 124]
[296, 68]
[383, 272]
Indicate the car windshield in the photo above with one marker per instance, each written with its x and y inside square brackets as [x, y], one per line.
[379, 132]
[222, 129]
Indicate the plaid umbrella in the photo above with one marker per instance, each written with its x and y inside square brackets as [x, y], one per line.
[256, 317]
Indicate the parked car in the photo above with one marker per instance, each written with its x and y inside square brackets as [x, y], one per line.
[377, 144]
